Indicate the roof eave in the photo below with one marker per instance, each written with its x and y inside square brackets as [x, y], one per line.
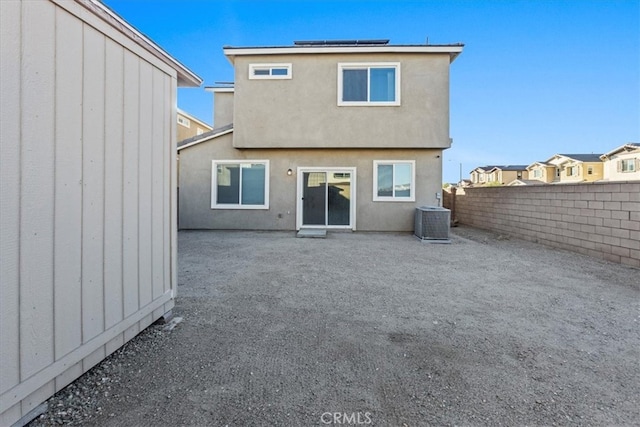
[231, 52]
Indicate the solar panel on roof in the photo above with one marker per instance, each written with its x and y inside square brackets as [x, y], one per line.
[379, 42]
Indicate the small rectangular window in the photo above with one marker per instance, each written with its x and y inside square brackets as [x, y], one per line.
[270, 71]
[184, 121]
[240, 184]
[628, 165]
[369, 84]
[394, 180]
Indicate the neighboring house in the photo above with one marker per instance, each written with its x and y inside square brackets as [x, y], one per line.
[543, 172]
[622, 163]
[464, 183]
[568, 168]
[345, 135]
[189, 126]
[88, 207]
[498, 175]
[482, 175]
[506, 174]
[577, 167]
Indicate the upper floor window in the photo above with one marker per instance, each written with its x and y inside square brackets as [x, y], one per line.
[240, 184]
[627, 165]
[269, 71]
[369, 83]
[394, 180]
[184, 121]
[537, 173]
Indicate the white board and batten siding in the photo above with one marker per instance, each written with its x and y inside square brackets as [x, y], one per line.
[87, 212]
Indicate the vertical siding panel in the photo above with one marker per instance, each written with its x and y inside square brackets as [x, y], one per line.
[144, 183]
[158, 189]
[113, 185]
[93, 185]
[174, 185]
[36, 210]
[130, 187]
[168, 159]
[9, 194]
[68, 183]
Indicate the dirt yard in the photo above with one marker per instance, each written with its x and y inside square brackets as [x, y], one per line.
[376, 329]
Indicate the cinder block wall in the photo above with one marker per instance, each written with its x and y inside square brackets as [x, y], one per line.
[596, 219]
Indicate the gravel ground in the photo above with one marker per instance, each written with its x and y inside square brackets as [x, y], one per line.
[375, 329]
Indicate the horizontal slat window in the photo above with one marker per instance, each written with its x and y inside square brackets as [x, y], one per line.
[270, 71]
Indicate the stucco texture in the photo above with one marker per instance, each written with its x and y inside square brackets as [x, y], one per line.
[195, 186]
[303, 112]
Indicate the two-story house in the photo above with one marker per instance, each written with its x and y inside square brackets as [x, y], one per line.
[498, 175]
[622, 163]
[345, 135]
[481, 175]
[568, 168]
[543, 172]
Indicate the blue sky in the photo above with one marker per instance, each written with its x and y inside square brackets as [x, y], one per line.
[536, 78]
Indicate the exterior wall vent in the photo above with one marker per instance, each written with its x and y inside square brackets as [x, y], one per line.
[432, 223]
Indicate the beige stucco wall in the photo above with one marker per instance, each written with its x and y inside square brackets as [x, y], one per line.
[303, 111]
[184, 132]
[222, 109]
[506, 177]
[548, 173]
[582, 174]
[195, 186]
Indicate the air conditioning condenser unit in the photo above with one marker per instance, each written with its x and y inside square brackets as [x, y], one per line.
[432, 224]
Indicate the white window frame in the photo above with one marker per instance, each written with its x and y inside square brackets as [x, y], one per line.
[270, 68]
[412, 190]
[214, 185]
[368, 65]
[630, 165]
[183, 121]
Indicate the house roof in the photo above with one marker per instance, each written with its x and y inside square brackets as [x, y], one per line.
[544, 164]
[186, 77]
[489, 168]
[207, 136]
[485, 168]
[581, 157]
[630, 146]
[343, 46]
[525, 182]
[193, 118]
[512, 167]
